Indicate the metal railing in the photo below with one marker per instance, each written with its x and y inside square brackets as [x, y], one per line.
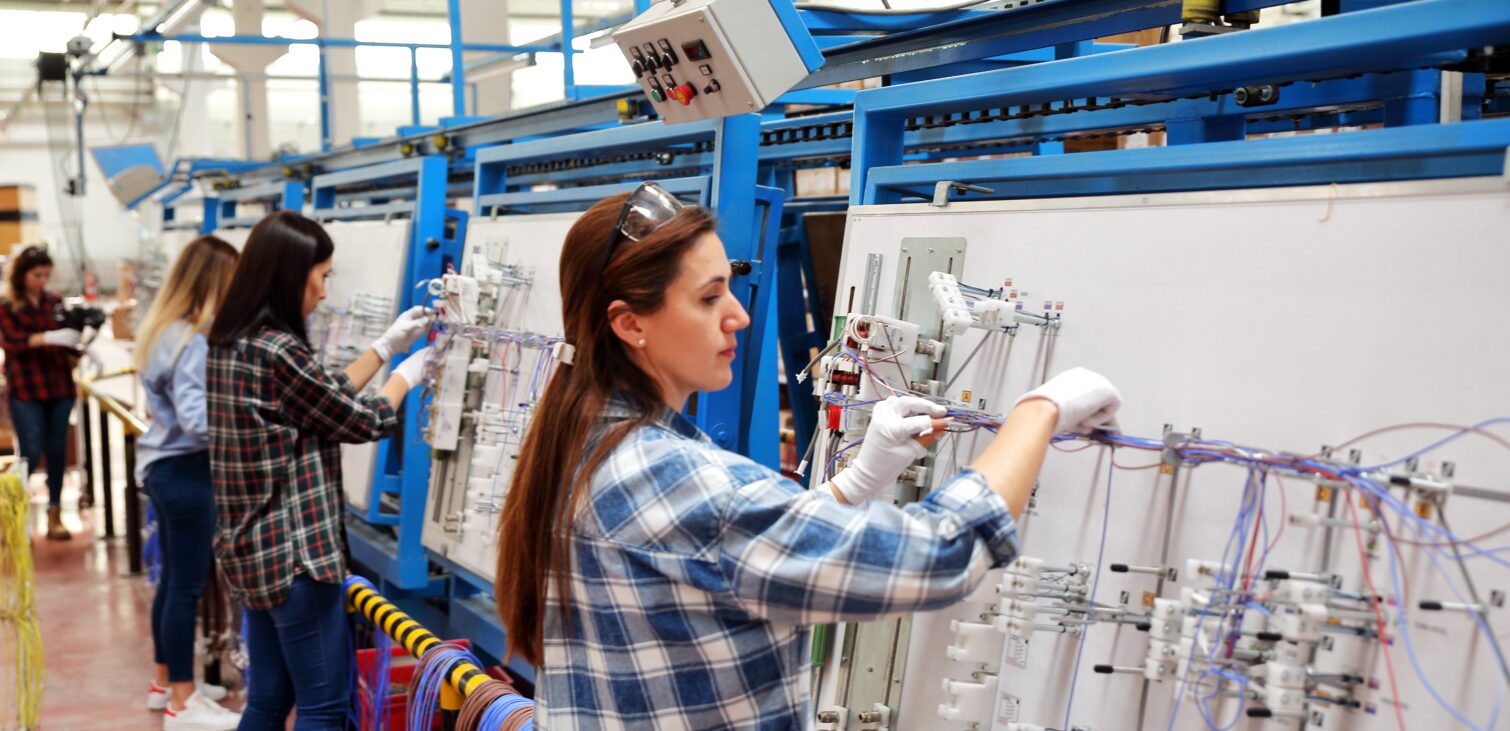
[132, 427]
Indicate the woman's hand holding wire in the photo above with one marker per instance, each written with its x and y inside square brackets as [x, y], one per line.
[412, 369]
[901, 429]
[403, 333]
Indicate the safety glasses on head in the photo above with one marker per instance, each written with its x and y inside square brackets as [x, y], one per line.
[648, 208]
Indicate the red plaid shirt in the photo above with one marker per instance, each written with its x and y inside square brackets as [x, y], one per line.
[277, 419]
[35, 374]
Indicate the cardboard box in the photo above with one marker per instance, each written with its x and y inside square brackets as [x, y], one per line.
[18, 216]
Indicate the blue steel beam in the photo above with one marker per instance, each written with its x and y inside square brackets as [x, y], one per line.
[983, 35]
[1402, 153]
[1385, 38]
[1338, 102]
[458, 67]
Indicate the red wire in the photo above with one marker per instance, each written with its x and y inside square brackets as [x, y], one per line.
[1284, 511]
[1373, 602]
[1252, 543]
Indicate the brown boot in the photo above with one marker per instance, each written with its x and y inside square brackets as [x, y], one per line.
[55, 529]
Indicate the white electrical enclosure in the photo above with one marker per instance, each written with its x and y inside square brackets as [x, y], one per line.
[704, 59]
[366, 274]
[502, 312]
[1283, 319]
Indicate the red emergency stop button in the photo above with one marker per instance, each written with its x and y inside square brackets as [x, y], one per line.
[683, 93]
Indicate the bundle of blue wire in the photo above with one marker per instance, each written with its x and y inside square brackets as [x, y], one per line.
[497, 713]
[378, 673]
[379, 679]
[1201, 452]
[152, 555]
[434, 667]
[1380, 497]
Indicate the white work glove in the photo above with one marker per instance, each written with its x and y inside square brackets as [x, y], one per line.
[403, 333]
[64, 338]
[413, 367]
[96, 366]
[1086, 400]
[890, 446]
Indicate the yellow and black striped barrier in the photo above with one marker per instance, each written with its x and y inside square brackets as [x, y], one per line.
[461, 679]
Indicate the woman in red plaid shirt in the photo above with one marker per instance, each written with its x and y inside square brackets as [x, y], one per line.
[277, 420]
[39, 359]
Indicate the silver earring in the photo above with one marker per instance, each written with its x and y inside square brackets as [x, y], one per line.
[642, 342]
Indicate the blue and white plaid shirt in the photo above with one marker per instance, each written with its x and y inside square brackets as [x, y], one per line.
[696, 571]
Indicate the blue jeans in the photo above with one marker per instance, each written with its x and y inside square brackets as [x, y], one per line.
[42, 427]
[300, 656]
[184, 498]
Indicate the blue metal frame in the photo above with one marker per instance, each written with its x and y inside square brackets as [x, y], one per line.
[797, 31]
[798, 300]
[1402, 36]
[221, 209]
[416, 188]
[737, 417]
[952, 41]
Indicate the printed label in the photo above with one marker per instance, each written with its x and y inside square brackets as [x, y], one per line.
[1017, 652]
[1009, 709]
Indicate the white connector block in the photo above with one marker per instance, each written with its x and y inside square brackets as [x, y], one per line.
[462, 293]
[969, 701]
[446, 409]
[1304, 624]
[975, 643]
[1288, 701]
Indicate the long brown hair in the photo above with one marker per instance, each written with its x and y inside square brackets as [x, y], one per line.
[554, 465]
[192, 294]
[21, 263]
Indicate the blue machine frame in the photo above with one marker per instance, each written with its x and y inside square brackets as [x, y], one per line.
[735, 418]
[220, 209]
[417, 189]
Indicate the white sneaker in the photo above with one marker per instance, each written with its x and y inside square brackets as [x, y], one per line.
[157, 695]
[200, 714]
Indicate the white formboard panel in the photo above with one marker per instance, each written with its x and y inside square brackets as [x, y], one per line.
[369, 258]
[532, 242]
[234, 236]
[1285, 319]
[174, 241]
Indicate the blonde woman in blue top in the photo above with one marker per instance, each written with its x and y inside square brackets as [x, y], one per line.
[173, 463]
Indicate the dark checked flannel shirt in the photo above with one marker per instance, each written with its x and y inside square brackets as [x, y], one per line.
[277, 419]
[35, 374]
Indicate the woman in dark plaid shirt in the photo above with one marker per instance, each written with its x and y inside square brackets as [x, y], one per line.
[39, 358]
[277, 418]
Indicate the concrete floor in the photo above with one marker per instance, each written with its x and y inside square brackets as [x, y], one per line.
[96, 624]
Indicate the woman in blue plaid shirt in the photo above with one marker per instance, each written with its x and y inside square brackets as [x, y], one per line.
[661, 582]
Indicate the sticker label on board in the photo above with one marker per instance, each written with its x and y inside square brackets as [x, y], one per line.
[1017, 651]
[1009, 709]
